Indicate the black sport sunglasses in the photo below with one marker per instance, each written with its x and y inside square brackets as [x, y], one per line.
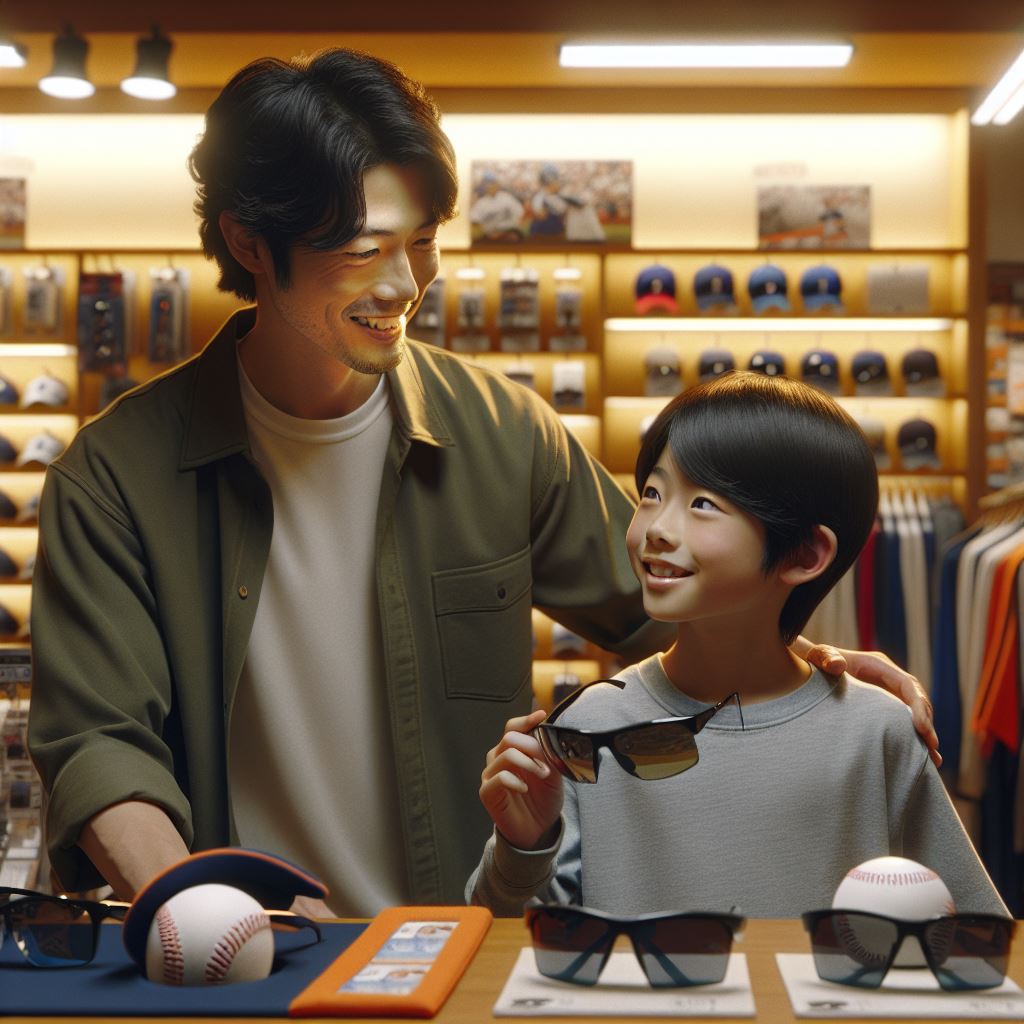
[649, 750]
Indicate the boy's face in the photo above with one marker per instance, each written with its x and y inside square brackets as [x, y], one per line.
[354, 302]
[697, 556]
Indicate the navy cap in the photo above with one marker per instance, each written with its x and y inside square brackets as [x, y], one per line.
[767, 287]
[8, 624]
[874, 431]
[713, 286]
[920, 368]
[8, 510]
[270, 880]
[917, 441]
[565, 643]
[820, 368]
[8, 566]
[821, 286]
[8, 453]
[8, 392]
[870, 373]
[771, 364]
[656, 290]
[713, 362]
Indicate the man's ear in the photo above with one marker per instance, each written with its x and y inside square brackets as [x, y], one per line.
[248, 249]
[812, 559]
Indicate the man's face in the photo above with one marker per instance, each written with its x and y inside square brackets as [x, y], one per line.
[354, 302]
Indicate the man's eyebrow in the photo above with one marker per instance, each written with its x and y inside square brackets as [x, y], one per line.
[390, 233]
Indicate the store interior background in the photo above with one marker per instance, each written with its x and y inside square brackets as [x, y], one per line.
[108, 186]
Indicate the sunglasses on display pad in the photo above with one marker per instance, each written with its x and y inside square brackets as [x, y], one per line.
[963, 951]
[675, 950]
[657, 749]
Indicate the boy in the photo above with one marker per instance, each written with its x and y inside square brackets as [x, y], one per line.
[756, 495]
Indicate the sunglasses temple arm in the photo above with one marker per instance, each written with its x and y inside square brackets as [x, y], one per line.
[584, 955]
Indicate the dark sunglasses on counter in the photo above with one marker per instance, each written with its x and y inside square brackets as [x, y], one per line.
[963, 951]
[56, 931]
[648, 750]
[675, 950]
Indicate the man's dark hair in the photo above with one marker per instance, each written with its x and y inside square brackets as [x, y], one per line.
[786, 454]
[287, 144]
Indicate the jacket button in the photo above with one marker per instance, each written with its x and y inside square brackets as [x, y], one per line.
[501, 593]
[243, 591]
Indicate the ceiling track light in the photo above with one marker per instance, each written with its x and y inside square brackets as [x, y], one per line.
[68, 80]
[12, 54]
[151, 80]
[1005, 100]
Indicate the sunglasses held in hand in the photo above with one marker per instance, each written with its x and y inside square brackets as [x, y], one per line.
[648, 750]
[675, 950]
[963, 951]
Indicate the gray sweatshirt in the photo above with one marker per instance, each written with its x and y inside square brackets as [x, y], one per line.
[769, 820]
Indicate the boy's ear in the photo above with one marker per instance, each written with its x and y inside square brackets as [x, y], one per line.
[812, 559]
[250, 250]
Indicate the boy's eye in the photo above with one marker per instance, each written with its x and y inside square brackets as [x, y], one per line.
[362, 255]
[651, 493]
[705, 504]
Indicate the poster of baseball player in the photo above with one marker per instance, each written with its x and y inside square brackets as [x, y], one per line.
[814, 217]
[536, 202]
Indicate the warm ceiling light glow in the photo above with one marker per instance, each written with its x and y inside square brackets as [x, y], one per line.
[12, 55]
[67, 80]
[151, 79]
[1006, 97]
[705, 55]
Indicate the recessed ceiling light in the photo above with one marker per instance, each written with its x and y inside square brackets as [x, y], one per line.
[705, 55]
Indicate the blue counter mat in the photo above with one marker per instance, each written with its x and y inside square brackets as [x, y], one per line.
[112, 985]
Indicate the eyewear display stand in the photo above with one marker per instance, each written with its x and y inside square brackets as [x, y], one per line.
[473, 1000]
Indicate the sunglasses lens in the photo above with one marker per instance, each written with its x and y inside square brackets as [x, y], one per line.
[853, 949]
[683, 950]
[569, 946]
[571, 751]
[656, 751]
[968, 952]
[52, 933]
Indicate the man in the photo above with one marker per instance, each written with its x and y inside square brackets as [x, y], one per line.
[283, 592]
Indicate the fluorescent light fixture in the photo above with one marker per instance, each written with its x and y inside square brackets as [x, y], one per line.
[151, 80]
[67, 80]
[1006, 97]
[777, 324]
[39, 348]
[705, 55]
[12, 54]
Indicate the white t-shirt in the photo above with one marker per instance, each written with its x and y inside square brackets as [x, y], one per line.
[311, 760]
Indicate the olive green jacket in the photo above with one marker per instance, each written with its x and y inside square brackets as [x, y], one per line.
[154, 534]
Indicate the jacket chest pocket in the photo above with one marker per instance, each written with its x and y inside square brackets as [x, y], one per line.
[484, 627]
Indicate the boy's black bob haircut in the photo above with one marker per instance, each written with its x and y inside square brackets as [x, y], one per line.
[784, 453]
[287, 144]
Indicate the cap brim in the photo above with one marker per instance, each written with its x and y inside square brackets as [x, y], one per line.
[763, 303]
[271, 880]
[650, 303]
[816, 302]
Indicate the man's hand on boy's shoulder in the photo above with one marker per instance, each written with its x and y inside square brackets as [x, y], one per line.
[879, 669]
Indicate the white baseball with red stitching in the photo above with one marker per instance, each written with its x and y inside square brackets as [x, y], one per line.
[209, 935]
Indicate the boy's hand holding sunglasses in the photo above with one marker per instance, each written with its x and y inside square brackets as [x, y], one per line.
[518, 787]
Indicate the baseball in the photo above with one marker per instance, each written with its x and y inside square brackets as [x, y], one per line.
[896, 887]
[209, 935]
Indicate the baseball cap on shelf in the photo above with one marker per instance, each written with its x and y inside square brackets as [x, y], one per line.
[521, 373]
[565, 643]
[568, 383]
[662, 373]
[26, 571]
[656, 290]
[45, 390]
[8, 566]
[270, 880]
[870, 373]
[9, 625]
[713, 362]
[767, 286]
[8, 453]
[29, 512]
[713, 287]
[820, 368]
[921, 376]
[8, 510]
[821, 287]
[8, 392]
[917, 442]
[874, 431]
[42, 448]
[771, 364]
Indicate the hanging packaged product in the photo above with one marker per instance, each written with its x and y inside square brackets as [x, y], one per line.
[472, 334]
[102, 325]
[568, 312]
[5, 302]
[168, 315]
[428, 323]
[44, 292]
[519, 315]
[568, 385]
